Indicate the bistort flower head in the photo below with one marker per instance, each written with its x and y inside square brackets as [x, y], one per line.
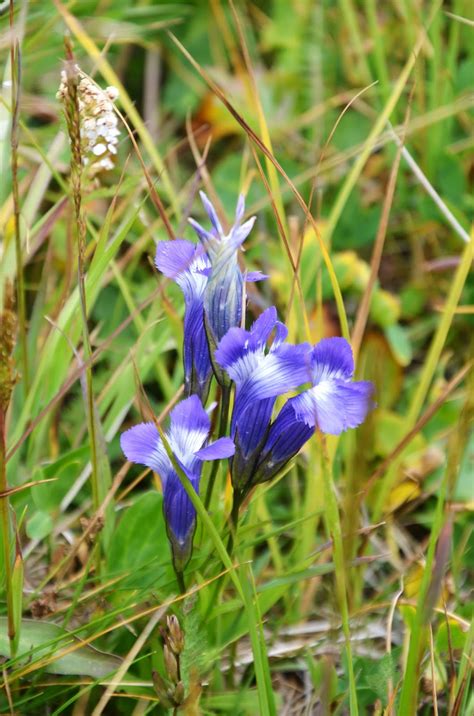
[189, 266]
[224, 293]
[187, 436]
[260, 375]
[99, 123]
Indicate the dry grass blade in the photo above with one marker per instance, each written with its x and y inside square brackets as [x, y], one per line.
[430, 190]
[284, 238]
[364, 306]
[122, 622]
[264, 149]
[128, 660]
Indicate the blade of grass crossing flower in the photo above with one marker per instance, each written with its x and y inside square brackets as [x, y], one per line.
[284, 239]
[333, 528]
[264, 149]
[264, 132]
[429, 367]
[259, 656]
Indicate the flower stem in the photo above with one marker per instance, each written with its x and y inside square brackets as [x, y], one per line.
[180, 580]
[234, 520]
[73, 123]
[333, 527]
[223, 420]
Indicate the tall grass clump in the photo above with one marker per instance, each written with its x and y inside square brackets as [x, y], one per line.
[235, 358]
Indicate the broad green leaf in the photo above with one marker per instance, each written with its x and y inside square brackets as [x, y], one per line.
[48, 640]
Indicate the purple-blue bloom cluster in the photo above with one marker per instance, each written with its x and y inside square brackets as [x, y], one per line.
[333, 404]
[261, 366]
[187, 436]
[224, 293]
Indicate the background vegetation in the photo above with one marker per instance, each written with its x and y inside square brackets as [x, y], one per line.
[326, 87]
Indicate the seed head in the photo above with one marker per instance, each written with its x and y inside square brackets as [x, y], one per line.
[8, 376]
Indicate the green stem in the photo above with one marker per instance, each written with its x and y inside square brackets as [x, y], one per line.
[180, 580]
[333, 527]
[20, 280]
[4, 509]
[224, 417]
[74, 128]
[234, 521]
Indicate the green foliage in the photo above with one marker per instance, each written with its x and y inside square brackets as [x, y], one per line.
[337, 552]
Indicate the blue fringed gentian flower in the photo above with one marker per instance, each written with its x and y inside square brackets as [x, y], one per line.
[189, 267]
[260, 376]
[334, 403]
[224, 292]
[187, 436]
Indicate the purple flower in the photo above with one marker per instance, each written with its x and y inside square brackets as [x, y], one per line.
[335, 403]
[189, 266]
[260, 375]
[224, 293]
[188, 432]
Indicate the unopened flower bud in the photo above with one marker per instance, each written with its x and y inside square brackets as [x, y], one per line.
[162, 690]
[176, 635]
[178, 695]
[170, 663]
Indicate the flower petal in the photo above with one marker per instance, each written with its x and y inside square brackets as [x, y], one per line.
[332, 359]
[179, 511]
[240, 209]
[185, 263]
[240, 351]
[250, 425]
[334, 405]
[142, 445]
[196, 358]
[240, 233]
[253, 276]
[223, 298]
[221, 448]
[281, 334]
[212, 214]
[174, 257]
[287, 435]
[262, 327]
[203, 235]
[282, 370]
[189, 428]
